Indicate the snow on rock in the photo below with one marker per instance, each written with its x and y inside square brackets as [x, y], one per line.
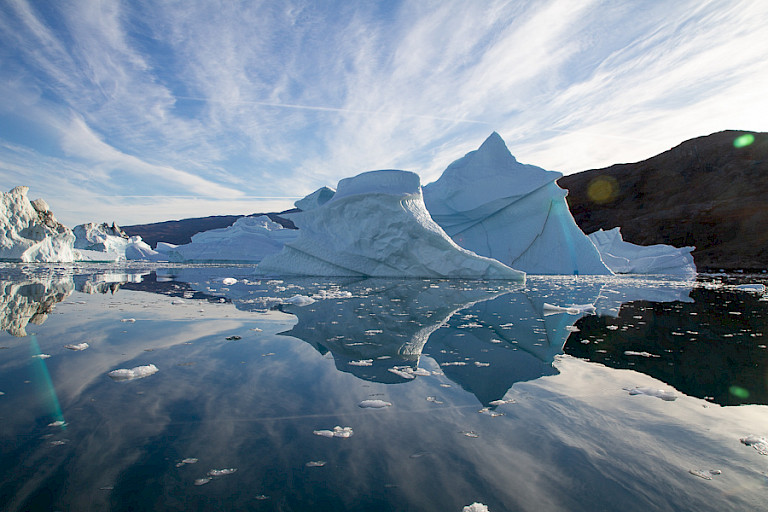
[133, 373]
[30, 233]
[376, 225]
[104, 242]
[315, 200]
[248, 240]
[627, 258]
[497, 207]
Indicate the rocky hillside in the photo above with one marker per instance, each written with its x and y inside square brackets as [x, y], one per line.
[180, 232]
[710, 192]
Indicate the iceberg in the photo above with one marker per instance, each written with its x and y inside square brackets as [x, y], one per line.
[102, 242]
[376, 225]
[30, 233]
[627, 258]
[315, 200]
[495, 206]
[248, 240]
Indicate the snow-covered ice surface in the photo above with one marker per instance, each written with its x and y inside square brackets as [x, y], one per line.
[376, 225]
[493, 205]
[104, 242]
[496, 414]
[248, 240]
[29, 232]
[628, 258]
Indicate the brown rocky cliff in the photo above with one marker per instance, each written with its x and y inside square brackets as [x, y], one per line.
[706, 192]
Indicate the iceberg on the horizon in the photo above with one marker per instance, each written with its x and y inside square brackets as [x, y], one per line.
[628, 258]
[376, 225]
[102, 242]
[248, 240]
[495, 206]
[30, 233]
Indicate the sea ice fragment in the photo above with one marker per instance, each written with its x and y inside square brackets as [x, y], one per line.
[138, 372]
[374, 404]
[475, 507]
[336, 432]
[77, 346]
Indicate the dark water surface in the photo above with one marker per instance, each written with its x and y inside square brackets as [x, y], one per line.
[565, 393]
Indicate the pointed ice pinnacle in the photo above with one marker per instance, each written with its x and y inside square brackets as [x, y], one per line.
[495, 206]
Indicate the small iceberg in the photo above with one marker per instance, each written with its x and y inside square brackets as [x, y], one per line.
[475, 507]
[336, 432]
[133, 373]
[77, 346]
[374, 404]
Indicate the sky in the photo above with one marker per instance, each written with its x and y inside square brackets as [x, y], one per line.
[142, 111]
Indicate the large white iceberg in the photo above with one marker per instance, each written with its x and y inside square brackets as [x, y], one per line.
[627, 258]
[102, 242]
[248, 240]
[376, 225]
[493, 205]
[30, 233]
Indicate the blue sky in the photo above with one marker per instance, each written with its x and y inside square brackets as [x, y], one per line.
[141, 111]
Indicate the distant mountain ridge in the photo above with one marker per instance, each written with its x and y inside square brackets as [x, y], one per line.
[179, 232]
[710, 192]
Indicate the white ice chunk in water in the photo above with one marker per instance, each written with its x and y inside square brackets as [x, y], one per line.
[362, 362]
[299, 300]
[229, 281]
[77, 346]
[757, 442]
[202, 481]
[336, 432]
[374, 404]
[754, 288]
[667, 396]
[315, 464]
[407, 372]
[641, 354]
[221, 472]
[475, 507]
[573, 309]
[41, 356]
[138, 372]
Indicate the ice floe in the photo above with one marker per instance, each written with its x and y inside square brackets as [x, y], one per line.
[475, 507]
[336, 432]
[77, 346]
[138, 372]
[374, 404]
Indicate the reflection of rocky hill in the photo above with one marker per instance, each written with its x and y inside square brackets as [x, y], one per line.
[705, 192]
[29, 301]
[707, 348]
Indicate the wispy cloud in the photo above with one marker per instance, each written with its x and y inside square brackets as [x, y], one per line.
[255, 99]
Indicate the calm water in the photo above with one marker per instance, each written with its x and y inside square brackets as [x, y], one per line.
[486, 392]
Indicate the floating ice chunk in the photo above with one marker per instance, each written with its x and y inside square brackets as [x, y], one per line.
[58, 423]
[190, 460]
[362, 362]
[641, 354]
[221, 472]
[300, 300]
[706, 474]
[336, 432]
[573, 309]
[488, 412]
[667, 396]
[128, 320]
[407, 372]
[315, 464]
[229, 281]
[480, 365]
[42, 356]
[1, 393]
[202, 481]
[138, 372]
[374, 404]
[77, 346]
[758, 443]
[754, 288]
[572, 328]
[496, 403]
[475, 507]
[470, 433]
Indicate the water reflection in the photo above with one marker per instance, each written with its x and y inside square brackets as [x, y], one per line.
[28, 301]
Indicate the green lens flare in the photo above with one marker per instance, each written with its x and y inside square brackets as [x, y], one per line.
[50, 396]
[739, 392]
[743, 140]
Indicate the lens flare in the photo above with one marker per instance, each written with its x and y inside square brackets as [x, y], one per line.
[603, 189]
[48, 391]
[739, 392]
[743, 140]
